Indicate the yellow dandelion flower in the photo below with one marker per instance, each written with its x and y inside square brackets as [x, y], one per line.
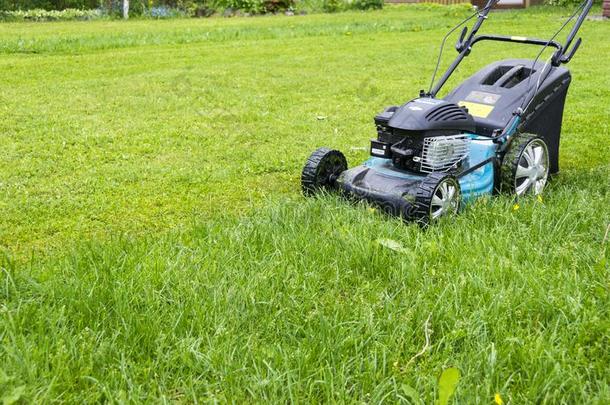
[498, 399]
[539, 198]
[516, 207]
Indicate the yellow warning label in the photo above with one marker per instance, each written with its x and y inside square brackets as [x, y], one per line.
[477, 109]
[520, 39]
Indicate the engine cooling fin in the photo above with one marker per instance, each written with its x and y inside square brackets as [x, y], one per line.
[447, 112]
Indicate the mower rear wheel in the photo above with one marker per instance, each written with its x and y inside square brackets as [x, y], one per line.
[438, 195]
[321, 170]
[525, 167]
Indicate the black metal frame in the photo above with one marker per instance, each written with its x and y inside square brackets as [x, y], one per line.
[464, 45]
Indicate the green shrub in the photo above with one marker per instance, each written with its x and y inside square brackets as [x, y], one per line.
[257, 6]
[278, 5]
[45, 10]
[200, 8]
[309, 5]
[332, 6]
[52, 15]
[14, 5]
[367, 4]
[572, 3]
[250, 6]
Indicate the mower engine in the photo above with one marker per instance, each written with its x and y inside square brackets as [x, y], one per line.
[425, 135]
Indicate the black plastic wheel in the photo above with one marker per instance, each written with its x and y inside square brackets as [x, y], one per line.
[438, 195]
[321, 170]
[525, 167]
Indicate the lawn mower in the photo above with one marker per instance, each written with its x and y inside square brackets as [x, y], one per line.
[496, 132]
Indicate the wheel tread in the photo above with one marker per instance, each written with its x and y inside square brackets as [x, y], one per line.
[510, 162]
[309, 175]
[423, 198]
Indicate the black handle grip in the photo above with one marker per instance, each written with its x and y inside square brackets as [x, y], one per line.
[568, 57]
[584, 8]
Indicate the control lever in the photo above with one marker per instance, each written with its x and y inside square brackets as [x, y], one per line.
[566, 59]
[459, 46]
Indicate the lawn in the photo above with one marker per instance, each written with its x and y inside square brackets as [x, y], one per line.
[155, 245]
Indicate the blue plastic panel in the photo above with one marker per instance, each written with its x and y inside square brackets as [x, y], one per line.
[473, 185]
[481, 181]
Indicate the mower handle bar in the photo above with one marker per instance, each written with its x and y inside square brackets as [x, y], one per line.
[562, 55]
[515, 39]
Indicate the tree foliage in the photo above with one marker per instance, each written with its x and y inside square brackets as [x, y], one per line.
[34, 9]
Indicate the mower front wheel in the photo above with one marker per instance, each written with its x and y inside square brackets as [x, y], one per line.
[438, 195]
[321, 170]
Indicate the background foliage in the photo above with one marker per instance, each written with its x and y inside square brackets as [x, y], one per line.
[568, 2]
[48, 4]
[34, 10]
[37, 14]
[196, 8]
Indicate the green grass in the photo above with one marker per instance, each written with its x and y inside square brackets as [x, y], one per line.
[156, 246]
